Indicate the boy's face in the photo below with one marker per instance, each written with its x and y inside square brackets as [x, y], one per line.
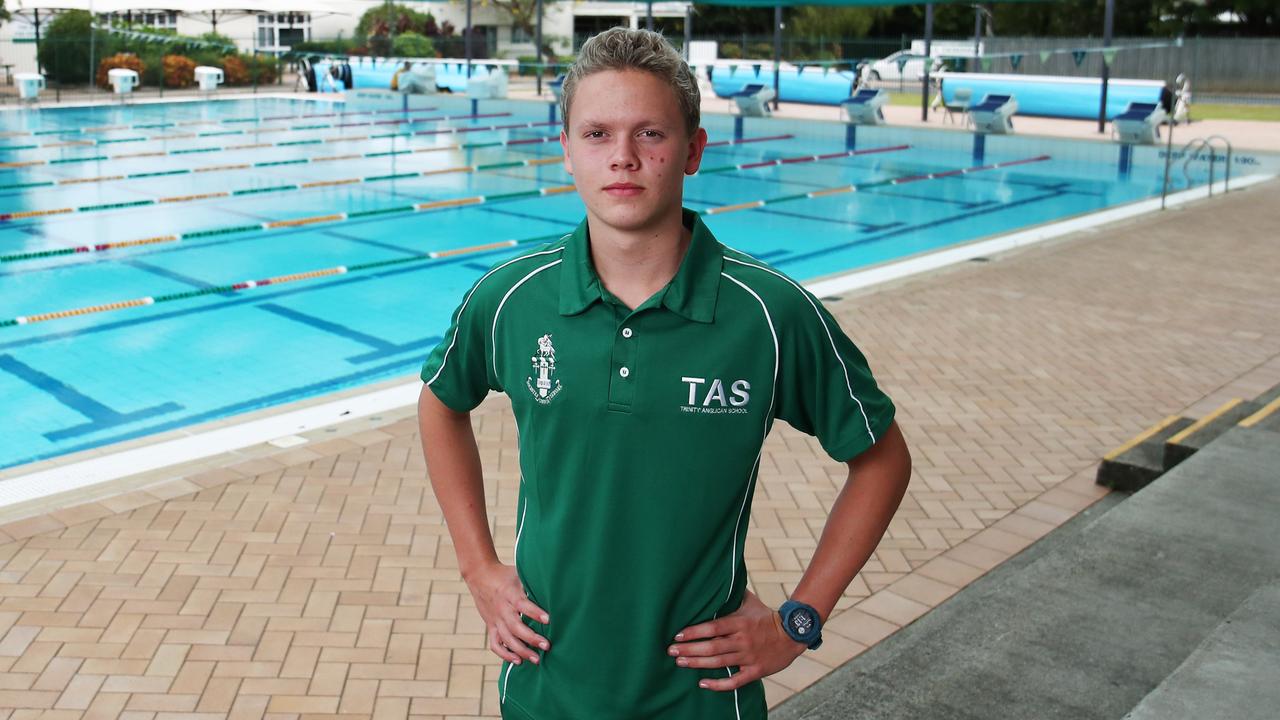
[628, 150]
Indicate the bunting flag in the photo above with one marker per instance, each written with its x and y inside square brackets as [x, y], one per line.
[177, 41]
[1015, 61]
[756, 68]
[902, 62]
[799, 70]
[825, 69]
[1108, 56]
[733, 70]
[1078, 56]
[1044, 55]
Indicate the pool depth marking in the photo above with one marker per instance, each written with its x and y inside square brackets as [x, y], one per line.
[441, 254]
[314, 141]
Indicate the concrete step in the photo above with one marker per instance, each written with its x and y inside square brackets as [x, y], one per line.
[1138, 462]
[1233, 674]
[1090, 620]
[1268, 417]
[1194, 437]
[1268, 396]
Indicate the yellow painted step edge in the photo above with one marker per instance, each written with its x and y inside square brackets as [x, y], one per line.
[1204, 421]
[1259, 416]
[1141, 438]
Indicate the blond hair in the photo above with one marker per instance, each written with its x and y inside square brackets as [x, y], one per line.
[626, 49]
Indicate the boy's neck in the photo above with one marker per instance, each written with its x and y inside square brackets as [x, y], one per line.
[633, 266]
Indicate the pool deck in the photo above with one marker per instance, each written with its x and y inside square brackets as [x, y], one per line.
[320, 579]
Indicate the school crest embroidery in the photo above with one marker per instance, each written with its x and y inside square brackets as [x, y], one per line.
[542, 383]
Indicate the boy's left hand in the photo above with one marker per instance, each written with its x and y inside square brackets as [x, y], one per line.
[750, 638]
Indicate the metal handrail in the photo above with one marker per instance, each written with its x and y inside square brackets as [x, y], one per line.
[1190, 151]
[1207, 144]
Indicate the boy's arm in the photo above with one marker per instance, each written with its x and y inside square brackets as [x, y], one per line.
[752, 638]
[453, 462]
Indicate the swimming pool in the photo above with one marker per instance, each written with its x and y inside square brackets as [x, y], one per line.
[170, 264]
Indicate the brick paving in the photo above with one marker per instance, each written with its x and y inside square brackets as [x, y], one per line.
[320, 581]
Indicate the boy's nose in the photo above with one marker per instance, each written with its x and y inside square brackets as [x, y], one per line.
[624, 155]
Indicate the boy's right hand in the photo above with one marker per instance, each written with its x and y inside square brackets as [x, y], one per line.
[501, 600]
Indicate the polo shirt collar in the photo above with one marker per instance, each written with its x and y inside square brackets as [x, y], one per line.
[691, 293]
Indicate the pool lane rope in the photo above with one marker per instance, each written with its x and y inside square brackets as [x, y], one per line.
[446, 254]
[205, 121]
[418, 207]
[27, 214]
[867, 186]
[21, 215]
[325, 158]
[251, 131]
[313, 141]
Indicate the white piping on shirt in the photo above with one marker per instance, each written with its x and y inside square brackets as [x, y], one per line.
[847, 382]
[497, 313]
[467, 299]
[773, 394]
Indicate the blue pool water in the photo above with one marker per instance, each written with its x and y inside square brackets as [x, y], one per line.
[81, 381]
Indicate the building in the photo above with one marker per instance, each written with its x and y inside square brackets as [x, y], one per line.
[274, 26]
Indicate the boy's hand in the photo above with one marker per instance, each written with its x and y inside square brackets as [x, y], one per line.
[501, 601]
[750, 638]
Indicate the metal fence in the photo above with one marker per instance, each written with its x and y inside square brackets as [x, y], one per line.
[77, 70]
[1215, 65]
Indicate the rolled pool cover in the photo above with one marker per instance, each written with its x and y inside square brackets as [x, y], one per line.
[795, 84]
[1055, 96]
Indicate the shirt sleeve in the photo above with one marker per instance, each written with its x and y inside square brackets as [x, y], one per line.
[459, 370]
[825, 387]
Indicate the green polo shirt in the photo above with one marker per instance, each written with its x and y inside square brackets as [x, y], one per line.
[640, 437]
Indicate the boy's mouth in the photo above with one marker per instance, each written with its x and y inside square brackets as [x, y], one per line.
[623, 189]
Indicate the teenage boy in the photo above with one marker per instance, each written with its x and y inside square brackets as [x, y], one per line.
[645, 363]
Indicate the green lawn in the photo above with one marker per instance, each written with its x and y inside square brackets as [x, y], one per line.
[1235, 112]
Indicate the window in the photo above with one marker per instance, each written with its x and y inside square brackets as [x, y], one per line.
[520, 35]
[163, 20]
[283, 29]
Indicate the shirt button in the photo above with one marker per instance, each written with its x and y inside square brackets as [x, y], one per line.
[626, 332]
[624, 372]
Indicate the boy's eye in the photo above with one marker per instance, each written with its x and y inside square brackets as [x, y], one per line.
[594, 134]
[651, 133]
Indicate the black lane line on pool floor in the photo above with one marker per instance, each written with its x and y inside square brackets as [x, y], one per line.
[380, 348]
[300, 392]
[268, 293]
[100, 415]
[172, 275]
[921, 226]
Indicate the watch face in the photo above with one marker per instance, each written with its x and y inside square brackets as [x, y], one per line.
[801, 621]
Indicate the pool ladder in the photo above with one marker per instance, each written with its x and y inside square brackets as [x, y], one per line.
[1190, 152]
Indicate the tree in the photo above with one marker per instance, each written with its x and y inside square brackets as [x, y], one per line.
[524, 15]
[411, 44]
[66, 47]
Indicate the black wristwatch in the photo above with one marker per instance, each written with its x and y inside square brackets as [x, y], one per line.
[801, 623]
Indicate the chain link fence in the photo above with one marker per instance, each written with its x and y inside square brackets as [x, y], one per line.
[1234, 70]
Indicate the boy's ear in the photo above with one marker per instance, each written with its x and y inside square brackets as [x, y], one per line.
[564, 145]
[697, 144]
